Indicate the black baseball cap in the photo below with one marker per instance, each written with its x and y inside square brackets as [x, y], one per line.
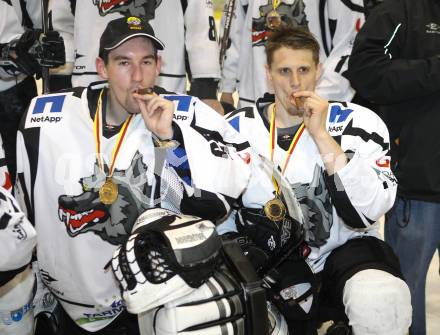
[120, 30]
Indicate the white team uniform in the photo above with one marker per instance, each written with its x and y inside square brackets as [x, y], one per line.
[18, 239]
[190, 29]
[244, 63]
[77, 233]
[335, 208]
[12, 27]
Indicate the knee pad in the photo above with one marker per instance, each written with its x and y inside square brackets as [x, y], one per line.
[16, 314]
[377, 303]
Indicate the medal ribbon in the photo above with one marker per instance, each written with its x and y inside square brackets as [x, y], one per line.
[97, 127]
[272, 144]
[275, 4]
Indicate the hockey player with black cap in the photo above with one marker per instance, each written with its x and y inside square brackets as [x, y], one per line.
[91, 160]
[24, 49]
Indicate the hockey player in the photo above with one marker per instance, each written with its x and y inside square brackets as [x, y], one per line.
[335, 158]
[93, 159]
[23, 49]
[334, 23]
[17, 238]
[186, 27]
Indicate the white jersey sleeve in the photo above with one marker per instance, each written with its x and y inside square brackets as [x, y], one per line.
[365, 188]
[230, 66]
[346, 18]
[201, 39]
[17, 235]
[63, 22]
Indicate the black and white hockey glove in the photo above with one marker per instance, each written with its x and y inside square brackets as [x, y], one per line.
[167, 256]
[32, 51]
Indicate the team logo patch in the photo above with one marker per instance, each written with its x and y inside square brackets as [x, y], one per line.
[134, 22]
[45, 110]
[85, 213]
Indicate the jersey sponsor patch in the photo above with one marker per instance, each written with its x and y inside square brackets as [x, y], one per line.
[45, 110]
[339, 114]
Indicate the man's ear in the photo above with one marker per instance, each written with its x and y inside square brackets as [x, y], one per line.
[268, 76]
[101, 68]
[158, 64]
[319, 72]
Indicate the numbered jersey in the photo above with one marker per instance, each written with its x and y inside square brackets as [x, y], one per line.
[187, 29]
[334, 23]
[60, 181]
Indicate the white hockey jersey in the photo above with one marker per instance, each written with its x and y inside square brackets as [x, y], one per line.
[335, 208]
[334, 23]
[14, 16]
[5, 179]
[17, 236]
[183, 26]
[60, 181]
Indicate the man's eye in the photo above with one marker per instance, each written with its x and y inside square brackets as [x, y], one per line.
[123, 62]
[285, 71]
[304, 69]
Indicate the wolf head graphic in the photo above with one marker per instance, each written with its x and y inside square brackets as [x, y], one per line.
[142, 8]
[86, 213]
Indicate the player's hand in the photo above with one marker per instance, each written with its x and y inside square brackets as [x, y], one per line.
[157, 113]
[315, 112]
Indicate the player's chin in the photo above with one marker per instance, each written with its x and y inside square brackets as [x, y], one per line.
[292, 110]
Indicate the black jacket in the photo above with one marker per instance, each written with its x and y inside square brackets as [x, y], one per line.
[395, 63]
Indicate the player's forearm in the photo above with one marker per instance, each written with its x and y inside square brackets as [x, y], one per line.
[331, 152]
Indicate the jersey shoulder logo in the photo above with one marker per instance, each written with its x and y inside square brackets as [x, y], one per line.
[47, 109]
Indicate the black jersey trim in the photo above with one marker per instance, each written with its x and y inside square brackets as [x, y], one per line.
[342, 203]
[353, 7]
[364, 135]
[322, 4]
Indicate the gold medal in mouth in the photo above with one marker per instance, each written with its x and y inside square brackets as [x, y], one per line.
[145, 90]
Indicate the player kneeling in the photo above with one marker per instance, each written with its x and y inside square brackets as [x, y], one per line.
[181, 278]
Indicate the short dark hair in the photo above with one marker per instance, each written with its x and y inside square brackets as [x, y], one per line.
[297, 38]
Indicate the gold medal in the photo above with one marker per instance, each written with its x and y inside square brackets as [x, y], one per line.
[273, 20]
[275, 209]
[108, 193]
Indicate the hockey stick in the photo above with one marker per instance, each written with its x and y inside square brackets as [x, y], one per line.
[45, 26]
[229, 13]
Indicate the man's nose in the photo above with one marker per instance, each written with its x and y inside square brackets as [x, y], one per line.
[137, 74]
[295, 80]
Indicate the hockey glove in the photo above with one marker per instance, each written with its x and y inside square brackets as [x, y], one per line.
[48, 49]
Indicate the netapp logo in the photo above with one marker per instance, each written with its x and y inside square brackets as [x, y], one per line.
[50, 119]
[180, 117]
[46, 109]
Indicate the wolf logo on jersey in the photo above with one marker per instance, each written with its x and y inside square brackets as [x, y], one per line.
[316, 206]
[291, 15]
[86, 213]
[143, 8]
